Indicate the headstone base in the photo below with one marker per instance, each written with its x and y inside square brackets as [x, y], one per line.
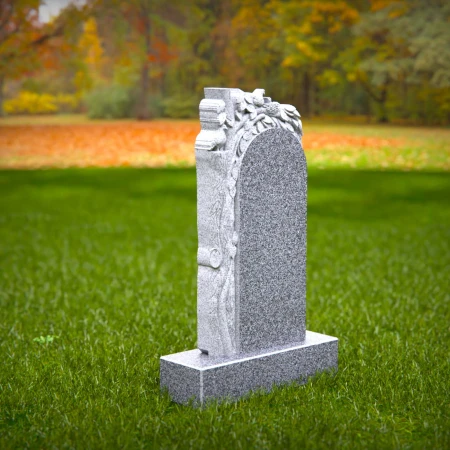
[192, 375]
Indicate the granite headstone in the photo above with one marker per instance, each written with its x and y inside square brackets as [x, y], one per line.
[251, 214]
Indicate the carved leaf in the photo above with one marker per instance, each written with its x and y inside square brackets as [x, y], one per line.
[289, 114]
[260, 126]
[238, 115]
[268, 120]
[289, 108]
[255, 131]
[248, 98]
[247, 135]
[253, 115]
[250, 108]
[283, 115]
[290, 127]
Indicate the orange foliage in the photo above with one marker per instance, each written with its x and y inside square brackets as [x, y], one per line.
[162, 52]
[151, 144]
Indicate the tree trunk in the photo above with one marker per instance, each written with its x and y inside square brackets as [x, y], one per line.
[143, 112]
[405, 113]
[306, 86]
[380, 99]
[2, 84]
[382, 103]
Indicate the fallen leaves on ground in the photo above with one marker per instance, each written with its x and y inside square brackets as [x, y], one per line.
[162, 143]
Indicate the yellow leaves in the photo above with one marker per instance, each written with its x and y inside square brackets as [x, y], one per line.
[306, 28]
[307, 25]
[31, 103]
[377, 5]
[290, 61]
[328, 78]
[399, 11]
[91, 52]
[82, 81]
[307, 50]
[335, 28]
[333, 14]
[90, 43]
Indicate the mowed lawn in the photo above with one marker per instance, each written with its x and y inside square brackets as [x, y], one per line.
[104, 261]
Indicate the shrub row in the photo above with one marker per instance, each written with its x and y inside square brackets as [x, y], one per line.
[114, 102]
[32, 103]
[109, 102]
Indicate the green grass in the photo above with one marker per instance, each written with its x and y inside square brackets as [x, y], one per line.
[103, 262]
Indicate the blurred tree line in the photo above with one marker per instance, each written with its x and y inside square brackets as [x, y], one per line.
[384, 59]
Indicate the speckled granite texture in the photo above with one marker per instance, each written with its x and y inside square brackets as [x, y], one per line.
[271, 262]
[194, 376]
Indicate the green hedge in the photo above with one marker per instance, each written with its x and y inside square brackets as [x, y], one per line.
[181, 107]
[112, 102]
[117, 102]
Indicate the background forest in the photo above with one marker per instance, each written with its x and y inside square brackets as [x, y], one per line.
[383, 59]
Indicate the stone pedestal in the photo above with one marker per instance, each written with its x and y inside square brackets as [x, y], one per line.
[251, 216]
[194, 376]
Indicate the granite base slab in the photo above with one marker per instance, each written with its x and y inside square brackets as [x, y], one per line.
[195, 376]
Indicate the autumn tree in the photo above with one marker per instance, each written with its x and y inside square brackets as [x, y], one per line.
[401, 45]
[19, 34]
[311, 34]
[147, 23]
[25, 42]
[90, 57]
[344, 56]
[254, 30]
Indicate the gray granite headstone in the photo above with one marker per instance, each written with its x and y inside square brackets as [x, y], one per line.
[271, 262]
[251, 214]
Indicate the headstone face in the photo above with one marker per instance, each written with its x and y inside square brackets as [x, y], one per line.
[251, 214]
[271, 257]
